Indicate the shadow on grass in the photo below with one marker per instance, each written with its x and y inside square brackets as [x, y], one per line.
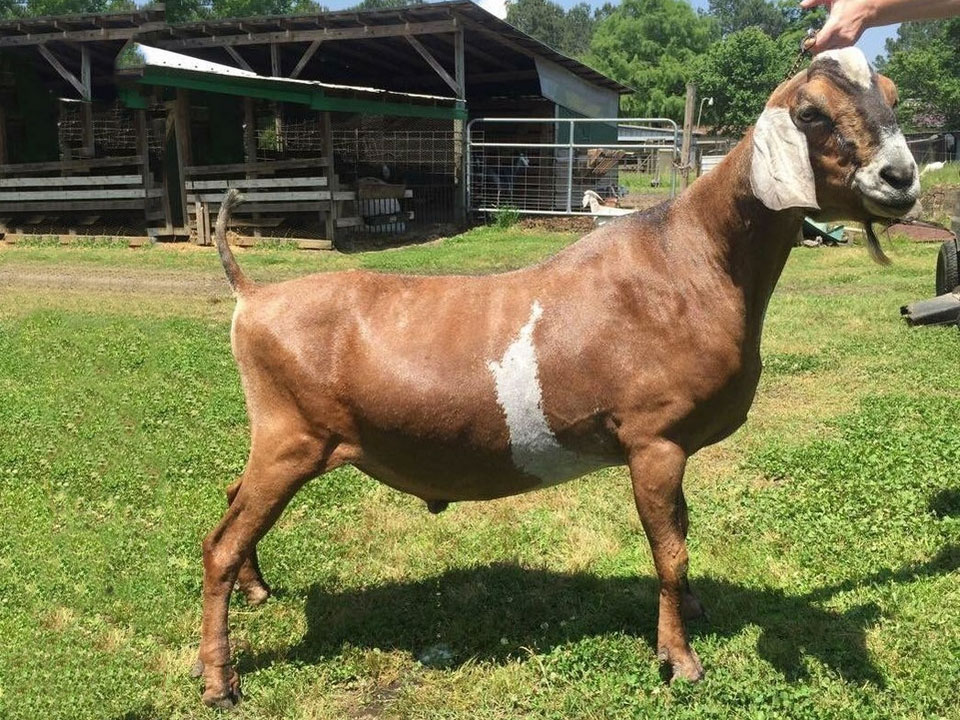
[493, 612]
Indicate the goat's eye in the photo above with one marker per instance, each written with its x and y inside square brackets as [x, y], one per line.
[809, 115]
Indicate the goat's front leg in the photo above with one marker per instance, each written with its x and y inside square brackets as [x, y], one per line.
[657, 470]
[690, 607]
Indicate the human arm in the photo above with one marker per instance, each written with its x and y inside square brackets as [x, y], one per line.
[849, 18]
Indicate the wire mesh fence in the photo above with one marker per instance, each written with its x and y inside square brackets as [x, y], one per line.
[113, 129]
[547, 166]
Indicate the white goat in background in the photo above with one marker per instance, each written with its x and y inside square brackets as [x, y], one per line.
[603, 212]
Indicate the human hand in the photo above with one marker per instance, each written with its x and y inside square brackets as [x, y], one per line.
[848, 19]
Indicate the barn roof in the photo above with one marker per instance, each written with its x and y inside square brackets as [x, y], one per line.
[100, 26]
[439, 16]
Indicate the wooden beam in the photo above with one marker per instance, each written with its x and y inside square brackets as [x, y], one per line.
[288, 36]
[691, 101]
[81, 35]
[467, 22]
[305, 58]
[238, 58]
[181, 121]
[330, 218]
[459, 66]
[85, 72]
[58, 166]
[86, 111]
[275, 69]
[437, 67]
[64, 73]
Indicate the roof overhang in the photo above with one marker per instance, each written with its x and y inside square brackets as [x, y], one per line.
[139, 64]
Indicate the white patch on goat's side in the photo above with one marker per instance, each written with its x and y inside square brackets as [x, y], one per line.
[533, 446]
[852, 62]
[780, 172]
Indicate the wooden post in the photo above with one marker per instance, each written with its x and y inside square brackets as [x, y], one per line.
[332, 184]
[86, 115]
[459, 138]
[250, 145]
[249, 131]
[3, 136]
[688, 132]
[181, 117]
[143, 150]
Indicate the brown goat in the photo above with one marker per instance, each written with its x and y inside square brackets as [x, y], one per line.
[637, 345]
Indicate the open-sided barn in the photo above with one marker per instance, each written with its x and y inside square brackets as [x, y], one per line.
[345, 120]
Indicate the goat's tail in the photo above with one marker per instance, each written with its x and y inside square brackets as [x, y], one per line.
[238, 281]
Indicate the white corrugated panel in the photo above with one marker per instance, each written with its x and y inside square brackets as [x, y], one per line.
[709, 162]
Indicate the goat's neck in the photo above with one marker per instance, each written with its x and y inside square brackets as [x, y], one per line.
[745, 239]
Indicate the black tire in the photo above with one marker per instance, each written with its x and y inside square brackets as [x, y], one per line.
[948, 276]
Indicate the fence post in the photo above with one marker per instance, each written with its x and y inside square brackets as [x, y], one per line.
[688, 132]
[570, 157]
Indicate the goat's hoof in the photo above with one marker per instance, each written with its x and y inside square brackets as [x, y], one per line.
[224, 694]
[691, 608]
[256, 594]
[197, 669]
[683, 665]
[221, 702]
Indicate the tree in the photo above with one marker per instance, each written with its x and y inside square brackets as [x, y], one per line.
[187, 10]
[38, 8]
[924, 62]
[651, 46]
[567, 31]
[739, 72]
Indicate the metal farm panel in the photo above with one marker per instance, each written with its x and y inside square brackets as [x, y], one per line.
[546, 165]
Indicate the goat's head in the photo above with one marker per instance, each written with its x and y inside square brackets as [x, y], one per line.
[828, 142]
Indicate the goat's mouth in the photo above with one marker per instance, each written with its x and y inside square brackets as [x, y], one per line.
[889, 208]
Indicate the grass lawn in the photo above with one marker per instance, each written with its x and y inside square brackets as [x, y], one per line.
[825, 538]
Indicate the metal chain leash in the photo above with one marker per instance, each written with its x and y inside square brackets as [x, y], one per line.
[805, 46]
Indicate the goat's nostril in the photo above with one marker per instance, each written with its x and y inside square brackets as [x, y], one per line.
[900, 177]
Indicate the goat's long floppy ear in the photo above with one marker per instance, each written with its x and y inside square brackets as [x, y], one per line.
[780, 172]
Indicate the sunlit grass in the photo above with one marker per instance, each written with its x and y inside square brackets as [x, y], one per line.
[824, 538]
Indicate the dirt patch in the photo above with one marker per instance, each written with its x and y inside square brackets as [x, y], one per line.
[557, 223]
[921, 233]
[78, 277]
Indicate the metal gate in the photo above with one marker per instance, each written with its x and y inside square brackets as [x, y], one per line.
[545, 166]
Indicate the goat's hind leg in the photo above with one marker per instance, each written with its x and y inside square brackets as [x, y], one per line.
[249, 578]
[272, 476]
[657, 473]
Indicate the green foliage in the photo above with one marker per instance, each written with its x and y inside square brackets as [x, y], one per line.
[37, 8]
[190, 10]
[568, 31]
[739, 72]
[925, 65]
[773, 18]
[506, 217]
[650, 45]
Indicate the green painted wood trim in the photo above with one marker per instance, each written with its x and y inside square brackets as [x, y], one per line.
[311, 96]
